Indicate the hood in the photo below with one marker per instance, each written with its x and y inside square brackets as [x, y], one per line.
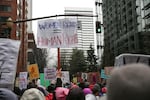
[6, 94]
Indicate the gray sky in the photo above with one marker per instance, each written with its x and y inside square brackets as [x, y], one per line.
[43, 8]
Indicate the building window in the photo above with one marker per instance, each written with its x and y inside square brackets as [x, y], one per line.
[5, 8]
[79, 25]
[129, 4]
[3, 19]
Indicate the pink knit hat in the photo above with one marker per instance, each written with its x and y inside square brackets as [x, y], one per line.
[87, 91]
[104, 89]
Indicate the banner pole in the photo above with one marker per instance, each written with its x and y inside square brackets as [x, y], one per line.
[58, 52]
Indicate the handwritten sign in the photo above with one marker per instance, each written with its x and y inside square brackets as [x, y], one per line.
[33, 71]
[84, 76]
[23, 80]
[50, 73]
[9, 50]
[65, 77]
[57, 33]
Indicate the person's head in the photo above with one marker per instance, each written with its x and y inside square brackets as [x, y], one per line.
[31, 85]
[87, 91]
[86, 84]
[81, 85]
[51, 88]
[96, 89]
[129, 82]
[58, 82]
[6, 94]
[32, 94]
[75, 94]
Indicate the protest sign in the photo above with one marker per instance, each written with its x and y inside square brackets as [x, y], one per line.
[9, 50]
[65, 77]
[23, 80]
[44, 82]
[33, 71]
[50, 73]
[57, 33]
[84, 76]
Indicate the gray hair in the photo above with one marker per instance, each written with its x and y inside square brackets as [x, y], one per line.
[129, 82]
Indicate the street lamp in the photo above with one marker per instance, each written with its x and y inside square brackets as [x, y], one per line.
[5, 28]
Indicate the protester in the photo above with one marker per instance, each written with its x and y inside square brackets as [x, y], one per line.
[96, 91]
[32, 94]
[87, 91]
[129, 82]
[60, 92]
[17, 91]
[104, 90]
[75, 93]
[6, 94]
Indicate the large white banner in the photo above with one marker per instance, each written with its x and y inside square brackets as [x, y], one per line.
[57, 33]
[8, 61]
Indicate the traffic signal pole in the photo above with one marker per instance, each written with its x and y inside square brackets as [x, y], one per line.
[58, 49]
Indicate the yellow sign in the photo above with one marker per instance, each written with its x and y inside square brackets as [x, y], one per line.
[33, 71]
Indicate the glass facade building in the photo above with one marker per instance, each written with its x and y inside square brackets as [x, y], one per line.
[126, 28]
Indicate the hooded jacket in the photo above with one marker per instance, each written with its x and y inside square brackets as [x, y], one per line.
[6, 94]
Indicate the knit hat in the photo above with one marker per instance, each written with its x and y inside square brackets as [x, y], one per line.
[33, 94]
[87, 91]
[104, 89]
[6, 94]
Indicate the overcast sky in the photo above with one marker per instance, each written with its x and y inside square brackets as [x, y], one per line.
[43, 8]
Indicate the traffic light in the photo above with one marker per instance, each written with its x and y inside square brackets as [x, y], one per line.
[98, 27]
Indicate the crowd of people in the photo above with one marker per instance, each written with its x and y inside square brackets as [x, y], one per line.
[129, 82]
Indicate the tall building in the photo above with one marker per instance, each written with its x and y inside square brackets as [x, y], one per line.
[18, 10]
[85, 31]
[125, 28]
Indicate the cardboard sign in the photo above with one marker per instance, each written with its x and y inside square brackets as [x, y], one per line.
[9, 50]
[33, 71]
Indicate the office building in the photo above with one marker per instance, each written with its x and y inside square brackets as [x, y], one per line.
[125, 28]
[85, 31]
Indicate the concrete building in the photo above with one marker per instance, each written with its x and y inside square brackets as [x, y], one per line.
[125, 28]
[85, 31]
